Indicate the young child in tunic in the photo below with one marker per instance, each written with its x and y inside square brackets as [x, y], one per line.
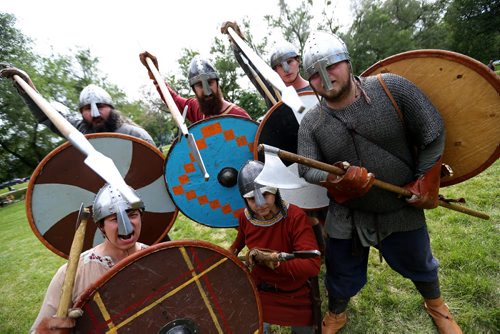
[270, 225]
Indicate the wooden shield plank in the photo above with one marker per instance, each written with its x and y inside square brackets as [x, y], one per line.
[467, 94]
[175, 282]
[225, 144]
[280, 128]
[62, 181]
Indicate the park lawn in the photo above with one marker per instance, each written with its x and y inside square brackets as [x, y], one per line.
[466, 247]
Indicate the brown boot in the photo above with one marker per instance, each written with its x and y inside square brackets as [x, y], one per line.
[332, 322]
[442, 317]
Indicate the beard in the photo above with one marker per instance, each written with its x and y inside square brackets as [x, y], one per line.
[111, 124]
[210, 105]
[335, 95]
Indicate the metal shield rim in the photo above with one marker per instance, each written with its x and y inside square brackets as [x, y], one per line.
[492, 78]
[57, 150]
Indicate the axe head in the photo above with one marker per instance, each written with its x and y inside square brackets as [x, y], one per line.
[306, 254]
[290, 97]
[276, 174]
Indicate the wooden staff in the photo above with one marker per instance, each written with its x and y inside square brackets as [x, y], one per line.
[73, 259]
[378, 183]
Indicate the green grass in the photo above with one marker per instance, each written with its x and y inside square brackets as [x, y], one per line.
[467, 248]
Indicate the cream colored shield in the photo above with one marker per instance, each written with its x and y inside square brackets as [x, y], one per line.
[467, 94]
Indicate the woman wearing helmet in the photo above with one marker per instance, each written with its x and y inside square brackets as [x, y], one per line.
[120, 225]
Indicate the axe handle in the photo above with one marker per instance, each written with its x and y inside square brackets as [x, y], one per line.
[380, 184]
[73, 259]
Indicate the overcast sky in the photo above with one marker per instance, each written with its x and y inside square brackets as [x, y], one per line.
[117, 31]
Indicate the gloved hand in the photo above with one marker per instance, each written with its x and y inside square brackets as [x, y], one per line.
[143, 56]
[263, 257]
[425, 189]
[354, 183]
[234, 25]
[8, 71]
[57, 325]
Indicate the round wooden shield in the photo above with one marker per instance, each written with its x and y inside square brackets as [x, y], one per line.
[280, 128]
[467, 94]
[191, 284]
[225, 144]
[62, 181]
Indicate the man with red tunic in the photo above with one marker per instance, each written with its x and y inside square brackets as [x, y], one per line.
[271, 225]
[204, 80]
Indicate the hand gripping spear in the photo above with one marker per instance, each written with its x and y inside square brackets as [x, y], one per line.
[179, 120]
[267, 175]
[98, 162]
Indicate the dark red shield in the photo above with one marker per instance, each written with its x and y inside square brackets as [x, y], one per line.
[177, 283]
[280, 128]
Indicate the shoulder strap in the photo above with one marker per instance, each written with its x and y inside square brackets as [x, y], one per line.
[388, 92]
[228, 109]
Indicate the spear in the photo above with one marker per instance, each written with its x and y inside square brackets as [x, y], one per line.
[288, 94]
[179, 120]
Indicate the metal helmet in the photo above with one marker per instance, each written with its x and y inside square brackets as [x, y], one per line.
[110, 201]
[247, 185]
[200, 70]
[320, 51]
[93, 94]
[281, 53]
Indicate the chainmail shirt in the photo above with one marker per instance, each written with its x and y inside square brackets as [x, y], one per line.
[369, 133]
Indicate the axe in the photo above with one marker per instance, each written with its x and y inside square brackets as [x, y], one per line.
[288, 94]
[268, 177]
[179, 120]
[73, 259]
[97, 161]
[284, 256]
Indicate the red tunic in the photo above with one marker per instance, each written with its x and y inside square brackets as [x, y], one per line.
[291, 305]
[194, 114]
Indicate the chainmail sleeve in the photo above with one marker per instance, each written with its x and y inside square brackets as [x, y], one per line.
[308, 145]
[422, 120]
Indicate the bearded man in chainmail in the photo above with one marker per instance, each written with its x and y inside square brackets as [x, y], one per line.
[97, 113]
[387, 126]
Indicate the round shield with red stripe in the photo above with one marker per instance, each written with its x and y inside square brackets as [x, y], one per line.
[280, 128]
[62, 182]
[225, 143]
[182, 286]
[467, 95]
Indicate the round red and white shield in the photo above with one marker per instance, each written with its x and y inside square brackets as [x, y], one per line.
[62, 182]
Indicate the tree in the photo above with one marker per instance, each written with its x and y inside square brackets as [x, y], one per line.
[58, 78]
[23, 142]
[474, 28]
[384, 28]
[294, 24]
